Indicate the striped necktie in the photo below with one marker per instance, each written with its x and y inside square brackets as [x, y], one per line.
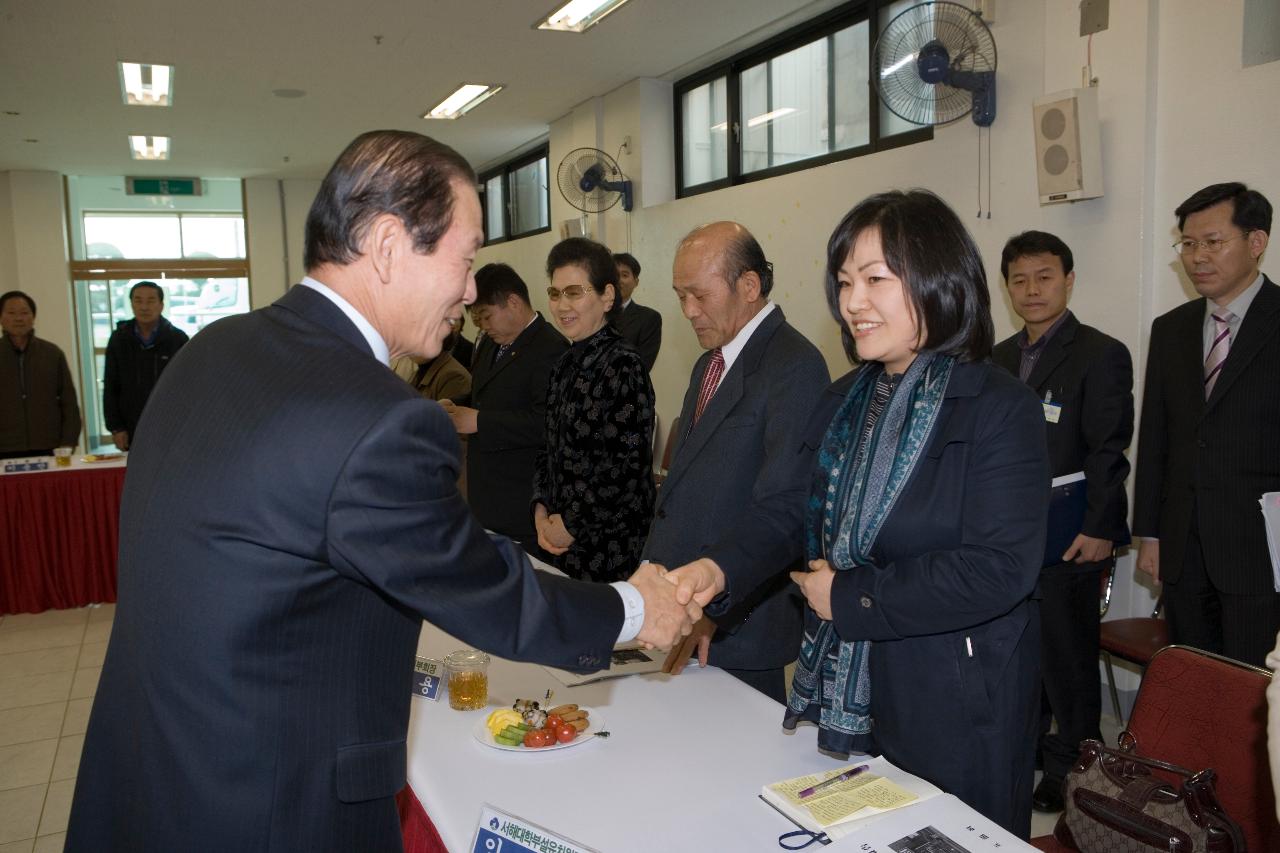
[710, 381]
[1218, 352]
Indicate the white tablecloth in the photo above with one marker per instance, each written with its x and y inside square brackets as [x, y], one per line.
[682, 769]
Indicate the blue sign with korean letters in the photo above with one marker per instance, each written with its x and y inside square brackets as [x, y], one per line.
[426, 678]
[499, 832]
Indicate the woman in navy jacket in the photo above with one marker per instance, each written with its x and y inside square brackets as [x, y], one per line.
[926, 520]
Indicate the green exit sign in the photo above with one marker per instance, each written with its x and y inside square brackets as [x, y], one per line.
[162, 186]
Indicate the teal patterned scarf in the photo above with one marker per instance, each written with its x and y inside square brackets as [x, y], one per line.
[857, 481]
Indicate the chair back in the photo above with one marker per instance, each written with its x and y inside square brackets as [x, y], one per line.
[669, 446]
[1108, 579]
[1200, 710]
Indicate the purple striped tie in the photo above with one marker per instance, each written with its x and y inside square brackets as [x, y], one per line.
[1218, 352]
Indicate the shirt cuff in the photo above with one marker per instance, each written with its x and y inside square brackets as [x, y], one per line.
[633, 611]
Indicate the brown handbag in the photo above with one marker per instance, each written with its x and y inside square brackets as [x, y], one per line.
[1115, 803]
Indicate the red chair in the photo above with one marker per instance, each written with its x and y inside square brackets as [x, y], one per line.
[1198, 710]
[1136, 640]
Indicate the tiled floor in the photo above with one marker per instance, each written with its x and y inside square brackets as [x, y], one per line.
[49, 666]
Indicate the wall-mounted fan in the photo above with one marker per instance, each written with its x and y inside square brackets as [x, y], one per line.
[591, 181]
[935, 63]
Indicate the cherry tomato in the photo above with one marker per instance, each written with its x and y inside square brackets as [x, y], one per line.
[535, 738]
[553, 722]
[566, 733]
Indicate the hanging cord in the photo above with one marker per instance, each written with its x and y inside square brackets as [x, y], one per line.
[979, 173]
[988, 173]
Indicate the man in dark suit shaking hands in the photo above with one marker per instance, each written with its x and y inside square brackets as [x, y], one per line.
[1084, 379]
[734, 498]
[1207, 447]
[289, 521]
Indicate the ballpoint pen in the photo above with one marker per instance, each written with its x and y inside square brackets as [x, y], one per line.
[848, 774]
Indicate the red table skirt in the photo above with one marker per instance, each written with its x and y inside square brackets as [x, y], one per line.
[59, 533]
[416, 828]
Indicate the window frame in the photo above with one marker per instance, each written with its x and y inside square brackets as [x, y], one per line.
[821, 27]
[505, 171]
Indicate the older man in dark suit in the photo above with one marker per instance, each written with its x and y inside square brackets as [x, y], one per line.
[736, 489]
[1207, 446]
[289, 520]
[1085, 381]
[639, 325]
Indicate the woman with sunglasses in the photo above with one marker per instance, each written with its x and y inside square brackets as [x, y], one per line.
[593, 486]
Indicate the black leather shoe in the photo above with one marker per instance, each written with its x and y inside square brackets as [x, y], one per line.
[1047, 796]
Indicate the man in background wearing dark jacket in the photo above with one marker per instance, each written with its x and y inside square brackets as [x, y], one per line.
[38, 406]
[138, 351]
[1085, 381]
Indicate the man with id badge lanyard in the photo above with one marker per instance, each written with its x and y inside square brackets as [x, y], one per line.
[1084, 379]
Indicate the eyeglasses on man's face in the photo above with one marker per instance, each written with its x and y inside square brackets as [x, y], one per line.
[573, 293]
[1213, 245]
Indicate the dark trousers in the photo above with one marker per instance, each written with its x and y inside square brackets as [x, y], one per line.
[1242, 627]
[1072, 689]
[770, 682]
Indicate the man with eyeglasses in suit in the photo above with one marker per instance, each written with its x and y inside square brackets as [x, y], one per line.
[1207, 447]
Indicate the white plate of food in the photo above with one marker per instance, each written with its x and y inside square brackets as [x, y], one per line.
[595, 725]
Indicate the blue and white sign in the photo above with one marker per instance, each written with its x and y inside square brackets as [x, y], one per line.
[499, 832]
[426, 678]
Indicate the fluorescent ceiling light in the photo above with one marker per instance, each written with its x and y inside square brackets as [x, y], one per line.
[143, 85]
[721, 127]
[149, 147]
[578, 15]
[765, 118]
[467, 97]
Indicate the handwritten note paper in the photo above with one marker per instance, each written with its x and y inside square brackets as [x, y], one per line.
[843, 799]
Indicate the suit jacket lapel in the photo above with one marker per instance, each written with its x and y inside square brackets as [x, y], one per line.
[1055, 352]
[730, 391]
[1258, 327]
[485, 356]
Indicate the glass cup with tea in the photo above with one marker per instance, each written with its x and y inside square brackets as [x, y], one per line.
[468, 673]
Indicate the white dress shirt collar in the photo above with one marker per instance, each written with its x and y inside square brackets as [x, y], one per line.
[1240, 305]
[734, 348]
[376, 343]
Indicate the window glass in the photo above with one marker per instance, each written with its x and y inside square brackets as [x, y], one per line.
[494, 203]
[787, 101]
[784, 108]
[113, 236]
[890, 123]
[704, 119]
[190, 304]
[529, 199]
[852, 88]
[213, 237]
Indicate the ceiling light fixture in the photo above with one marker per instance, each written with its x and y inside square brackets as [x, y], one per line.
[144, 85]
[466, 98]
[578, 15]
[149, 147]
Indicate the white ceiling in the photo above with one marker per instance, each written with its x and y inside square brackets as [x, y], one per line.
[58, 72]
